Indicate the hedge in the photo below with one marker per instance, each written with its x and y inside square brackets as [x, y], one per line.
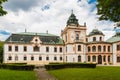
[69, 65]
[17, 67]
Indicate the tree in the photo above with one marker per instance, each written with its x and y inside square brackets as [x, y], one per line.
[2, 12]
[1, 52]
[108, 10]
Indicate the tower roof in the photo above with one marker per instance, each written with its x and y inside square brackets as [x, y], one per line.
[95, 32]
[72, 20]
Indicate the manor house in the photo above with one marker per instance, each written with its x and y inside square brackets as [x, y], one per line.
[72, 46]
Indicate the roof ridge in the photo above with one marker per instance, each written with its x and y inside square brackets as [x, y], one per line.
[35, 33]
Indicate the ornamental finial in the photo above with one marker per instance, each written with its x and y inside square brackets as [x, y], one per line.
[72, 11]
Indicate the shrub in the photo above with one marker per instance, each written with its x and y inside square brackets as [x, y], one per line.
[69, 65]
[17, 67]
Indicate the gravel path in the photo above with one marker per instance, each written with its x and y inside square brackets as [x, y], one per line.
[43, 74]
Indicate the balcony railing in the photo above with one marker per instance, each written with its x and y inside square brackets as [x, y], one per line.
[78, 40]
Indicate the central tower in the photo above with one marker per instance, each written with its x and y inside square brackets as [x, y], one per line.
[74, 32]
[74, 36]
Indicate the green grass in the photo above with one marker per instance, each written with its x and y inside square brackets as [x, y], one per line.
[17, 75]
[99, 73]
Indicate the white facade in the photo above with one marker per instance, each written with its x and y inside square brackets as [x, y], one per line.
[75, 46]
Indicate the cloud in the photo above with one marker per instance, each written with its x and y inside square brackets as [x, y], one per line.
[25, 5]
[52, 15]
[46, 7]
[4, 32]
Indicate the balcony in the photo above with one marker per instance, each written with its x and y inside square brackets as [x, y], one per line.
[78, 40]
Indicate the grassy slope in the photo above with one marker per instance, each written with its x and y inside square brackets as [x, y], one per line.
[100, 73]
[17, 75]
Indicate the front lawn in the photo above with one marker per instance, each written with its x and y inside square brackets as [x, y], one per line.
[98, 73]
[17, 75]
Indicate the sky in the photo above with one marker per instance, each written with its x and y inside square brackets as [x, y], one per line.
[52, 15]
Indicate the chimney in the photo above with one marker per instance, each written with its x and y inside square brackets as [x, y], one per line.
[47, 31]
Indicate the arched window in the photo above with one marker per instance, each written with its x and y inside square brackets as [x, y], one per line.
[94, 38]
[79, 58]
[118, 58]
[108, 48]
[36, 48]
[104, 58]
[77, 36]
[79, 47]
[118, 47]
[88, 58]
[99, 48]
[104, 48]
[89, 49]
[94, 49]
[94, 58]
[100, 38]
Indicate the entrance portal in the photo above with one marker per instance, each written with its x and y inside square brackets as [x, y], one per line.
[99, 59]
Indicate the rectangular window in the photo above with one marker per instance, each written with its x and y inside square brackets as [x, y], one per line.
[108, 48]
[16, 48]
[86, 39]
[10, 58]
[60, 49]
[32, 58]
[47, 49]
[47, 58]
[25, 58]
[55, 49]
[9, 48]
[36, 48]
[55, 58]
[40, 58]
[60, 58]
[25, 48]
